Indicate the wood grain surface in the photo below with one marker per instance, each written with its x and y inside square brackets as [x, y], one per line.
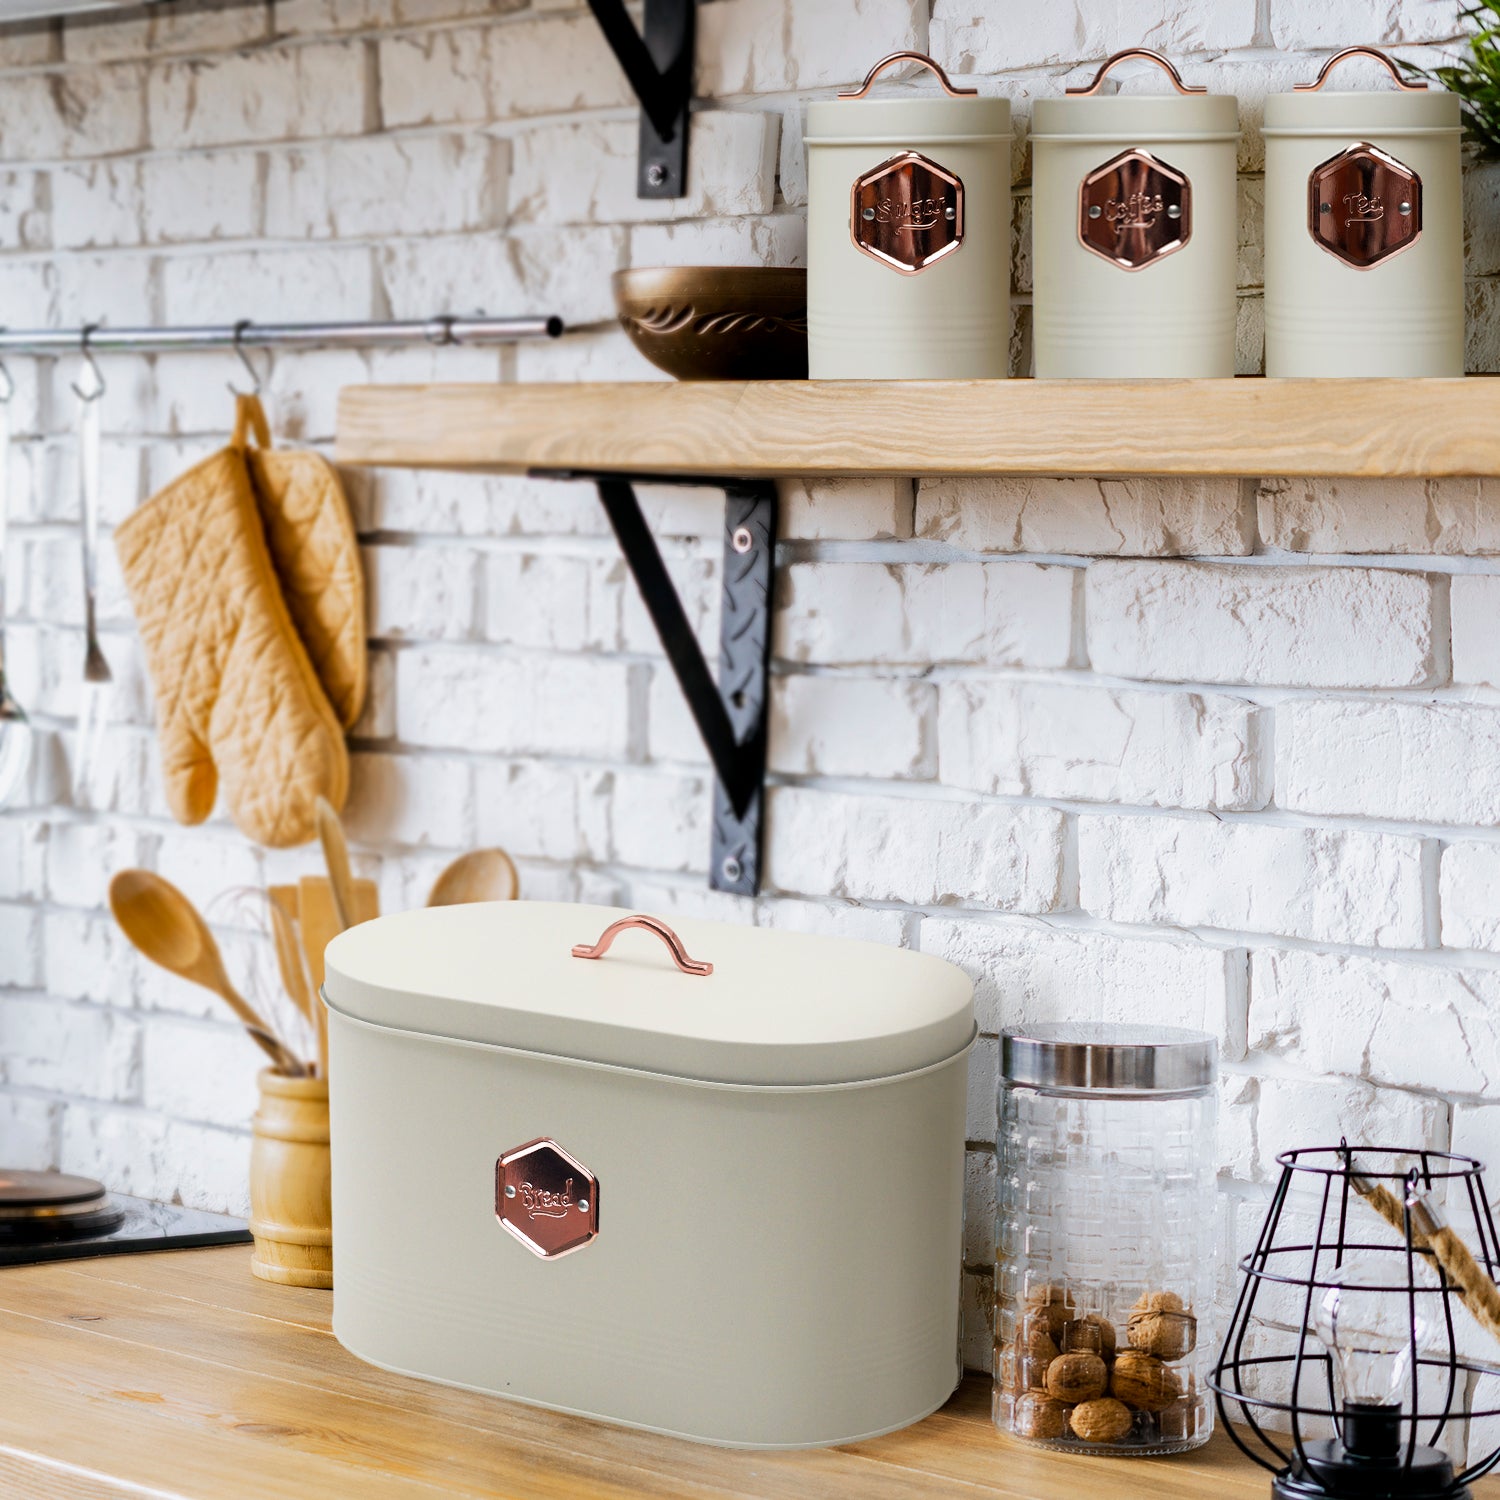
[1249, 427]
[180, 1376]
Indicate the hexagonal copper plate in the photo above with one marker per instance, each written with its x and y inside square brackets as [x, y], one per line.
[546, 1198]
[907, 213]
[1134, 210]
[1364, 206]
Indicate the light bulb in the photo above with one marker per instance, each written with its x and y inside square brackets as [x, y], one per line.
[1364, 1320]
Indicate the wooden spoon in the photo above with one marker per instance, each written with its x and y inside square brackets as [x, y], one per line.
[166, 927]
[336, 857]
[479, 875]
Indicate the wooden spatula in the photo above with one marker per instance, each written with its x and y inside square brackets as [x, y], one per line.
[288, 945]
[336, 857]
[319, 920]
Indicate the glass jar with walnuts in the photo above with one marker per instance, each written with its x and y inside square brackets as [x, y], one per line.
[1105, 1237]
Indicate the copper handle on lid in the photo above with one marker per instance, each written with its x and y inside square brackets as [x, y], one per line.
[1338, 57]
[651, 924]
[917, 57]
[1082, 90]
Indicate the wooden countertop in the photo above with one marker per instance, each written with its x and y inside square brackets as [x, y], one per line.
[1252, 427]
[179, 1375]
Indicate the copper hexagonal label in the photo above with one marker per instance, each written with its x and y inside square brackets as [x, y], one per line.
[1364, 206]
[546, 1198]
[1134, 210]
[907, 213]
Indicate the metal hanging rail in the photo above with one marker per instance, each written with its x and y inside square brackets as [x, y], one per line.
[97, 339]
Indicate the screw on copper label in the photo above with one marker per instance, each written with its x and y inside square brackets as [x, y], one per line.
[546, 1198]
[907, 213]
[1364, 206]
[1134, 210]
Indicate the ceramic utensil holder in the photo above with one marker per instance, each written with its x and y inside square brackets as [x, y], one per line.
[908, 254]
[1133, 224]
[291, 1210]
[1364, 230]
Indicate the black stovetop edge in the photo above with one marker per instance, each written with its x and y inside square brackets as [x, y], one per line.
[37, 1254]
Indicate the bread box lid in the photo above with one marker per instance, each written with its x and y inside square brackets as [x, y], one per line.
[779, 1008]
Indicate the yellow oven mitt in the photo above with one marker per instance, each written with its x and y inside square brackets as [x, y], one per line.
[237, 697]
[316, 555]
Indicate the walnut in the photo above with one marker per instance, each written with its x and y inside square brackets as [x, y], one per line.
[1038, 1416]
[1180, 1420]
[1151, 1302]
[1037, 1351]
[1054, 1304]
[1160, 1324]
[1102, 1421]
[1167, 1335]
[1077, 1377]
[1143, 1381]
[1090, 1334]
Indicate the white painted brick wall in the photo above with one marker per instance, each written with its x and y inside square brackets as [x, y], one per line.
[1129, 517]
[1122, 748]
[1298, 627]
[1430, 762]
[1325, 885]
[1101, 745]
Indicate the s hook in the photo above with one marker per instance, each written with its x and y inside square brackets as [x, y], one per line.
[239, 349]
[91, 367]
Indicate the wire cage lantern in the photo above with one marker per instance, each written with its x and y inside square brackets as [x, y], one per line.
[1349, 1362]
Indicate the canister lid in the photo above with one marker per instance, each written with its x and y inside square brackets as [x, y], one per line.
[1128, 118]
[1363, 113]
[1106, 1058]
[958, 114]
[779, 1008]
[909, 121]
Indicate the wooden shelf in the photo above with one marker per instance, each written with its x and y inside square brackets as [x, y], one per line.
[1251, 427]
[181, 1376]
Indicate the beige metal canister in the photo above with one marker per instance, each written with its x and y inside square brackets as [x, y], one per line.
[1364, 230]
[908, 234]
[1134, 231]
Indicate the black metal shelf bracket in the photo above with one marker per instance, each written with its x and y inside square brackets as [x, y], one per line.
[659, 65]
[733, 715]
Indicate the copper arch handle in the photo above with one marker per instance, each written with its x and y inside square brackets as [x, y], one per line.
[1338, 57]
[917, 57]
[1082, 90]
[651, 924]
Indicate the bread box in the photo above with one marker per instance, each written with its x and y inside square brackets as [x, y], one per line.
[706, 1182]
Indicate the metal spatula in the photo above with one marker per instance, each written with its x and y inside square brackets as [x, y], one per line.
[98, 681]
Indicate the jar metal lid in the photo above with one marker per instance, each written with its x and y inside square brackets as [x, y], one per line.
[1363, 114]
[1137, 117]
[1109, 1058]
[908, 120]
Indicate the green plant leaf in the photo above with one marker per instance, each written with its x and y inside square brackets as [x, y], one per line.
[1474, 76]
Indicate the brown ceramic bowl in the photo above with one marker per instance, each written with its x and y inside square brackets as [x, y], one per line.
[717, 322]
